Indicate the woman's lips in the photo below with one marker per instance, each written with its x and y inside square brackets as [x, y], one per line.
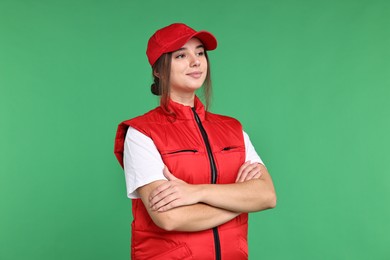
[196, 74]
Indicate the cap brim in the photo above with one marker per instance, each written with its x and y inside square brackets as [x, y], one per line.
[208, 40]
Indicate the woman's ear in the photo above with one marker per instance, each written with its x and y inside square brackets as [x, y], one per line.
[156, 74]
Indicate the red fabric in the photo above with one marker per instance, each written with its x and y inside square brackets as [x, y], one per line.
[173, 37]
[179, 134]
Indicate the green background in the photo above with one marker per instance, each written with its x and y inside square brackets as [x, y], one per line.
[309, 80]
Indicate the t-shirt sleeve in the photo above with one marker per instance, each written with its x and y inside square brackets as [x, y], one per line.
[142, 162]
[251, 154]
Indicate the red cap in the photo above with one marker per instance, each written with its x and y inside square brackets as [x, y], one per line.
[173, 37]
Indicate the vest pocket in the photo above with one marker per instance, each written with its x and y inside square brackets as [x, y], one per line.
[181, 252]
[243, 246]
[232, 149]
[229, 159]
[228, 148]
[190, 151]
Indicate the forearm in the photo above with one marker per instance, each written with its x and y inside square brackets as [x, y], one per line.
[196, 217]
[248, 196]
[250, 193]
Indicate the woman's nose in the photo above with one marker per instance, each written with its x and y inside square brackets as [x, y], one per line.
[195, 62]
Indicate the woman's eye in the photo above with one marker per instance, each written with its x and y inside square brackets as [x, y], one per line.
[180, 56]
[200, 53]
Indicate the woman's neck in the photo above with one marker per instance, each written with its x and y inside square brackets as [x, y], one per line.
[184, 99]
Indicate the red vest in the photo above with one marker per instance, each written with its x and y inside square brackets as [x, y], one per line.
[194, 155]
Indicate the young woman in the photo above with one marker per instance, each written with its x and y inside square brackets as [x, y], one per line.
[192, 175]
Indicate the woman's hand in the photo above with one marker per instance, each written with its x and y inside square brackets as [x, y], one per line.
[173, 193]
[176, 192]
[249, 171]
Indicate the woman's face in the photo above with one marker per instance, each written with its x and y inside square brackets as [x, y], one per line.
[188, 68]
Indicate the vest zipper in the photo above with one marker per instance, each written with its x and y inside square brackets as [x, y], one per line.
[213, 179]
[210, 154]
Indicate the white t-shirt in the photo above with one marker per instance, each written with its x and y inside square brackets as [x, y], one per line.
[143, 163]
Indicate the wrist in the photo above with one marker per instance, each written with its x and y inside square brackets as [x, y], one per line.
[201, 190]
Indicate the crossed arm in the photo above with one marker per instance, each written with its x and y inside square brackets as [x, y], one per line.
[177, 205]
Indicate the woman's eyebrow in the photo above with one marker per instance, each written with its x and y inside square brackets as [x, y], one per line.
[197, 47]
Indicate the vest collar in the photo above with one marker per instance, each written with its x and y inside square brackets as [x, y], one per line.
[185, 112]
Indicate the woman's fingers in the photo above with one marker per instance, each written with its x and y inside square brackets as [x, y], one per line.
[242, 168]
[255, 173]
[168, 174]
[159, 189]
[172, 193]
[176, 195]
[249, 172]
[167, 202]
[246, 169]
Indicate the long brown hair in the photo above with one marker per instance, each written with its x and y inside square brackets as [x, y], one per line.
[160, 86]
